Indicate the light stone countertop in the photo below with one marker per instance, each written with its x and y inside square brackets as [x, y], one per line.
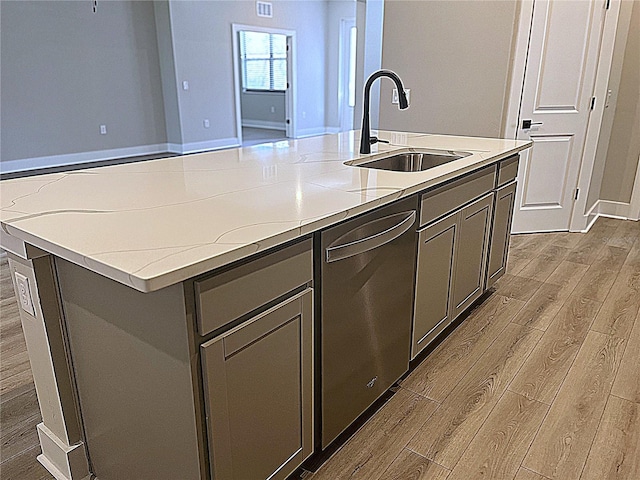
[156, 223]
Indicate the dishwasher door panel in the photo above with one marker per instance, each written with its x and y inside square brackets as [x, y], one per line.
[366, 307]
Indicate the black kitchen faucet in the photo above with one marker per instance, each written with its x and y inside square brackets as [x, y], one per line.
[366, 140]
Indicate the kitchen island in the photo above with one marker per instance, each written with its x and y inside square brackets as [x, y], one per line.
[128, 277]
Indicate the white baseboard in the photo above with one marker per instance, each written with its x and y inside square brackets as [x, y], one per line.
[35, 163]
[62, 461]
[26, 164]
[207, 145]
[591, 219]
[311, 132]
[608, 208]
[266, 124]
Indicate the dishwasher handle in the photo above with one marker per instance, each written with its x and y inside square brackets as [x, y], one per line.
[373, 240]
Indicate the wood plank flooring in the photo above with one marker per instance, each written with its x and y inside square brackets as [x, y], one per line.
[540, 382]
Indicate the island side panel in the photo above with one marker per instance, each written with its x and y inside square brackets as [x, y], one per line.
[130, 353]
[63, 452]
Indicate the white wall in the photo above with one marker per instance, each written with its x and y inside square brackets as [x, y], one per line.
[66, 70]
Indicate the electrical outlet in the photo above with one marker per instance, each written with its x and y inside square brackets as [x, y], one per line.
[273, 109]
[24, 294]
[398, 138]
[206, 123]
[103, 129]
[185, 85]
[394, 96]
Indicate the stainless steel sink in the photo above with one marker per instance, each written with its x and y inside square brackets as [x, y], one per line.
[414, 161]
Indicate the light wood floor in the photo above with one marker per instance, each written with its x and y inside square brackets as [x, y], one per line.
[541, 381]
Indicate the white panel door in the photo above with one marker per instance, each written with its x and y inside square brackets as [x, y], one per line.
[558, 86]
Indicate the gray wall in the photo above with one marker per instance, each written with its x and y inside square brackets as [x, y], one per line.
[624, 144]
[66, 70]
[256, 109]
[619, 143]
[336, 11]
[202, 44]
[168, 73]
[455, 56]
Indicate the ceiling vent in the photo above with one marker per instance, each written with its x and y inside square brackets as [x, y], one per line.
[264, 9]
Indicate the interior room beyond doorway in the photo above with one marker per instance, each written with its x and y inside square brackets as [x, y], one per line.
[264, 79]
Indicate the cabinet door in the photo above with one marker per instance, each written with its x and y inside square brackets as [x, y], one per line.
[258, 394]
[502, 217]
[433, 281]
[471, 253]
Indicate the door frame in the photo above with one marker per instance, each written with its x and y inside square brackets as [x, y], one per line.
[579, 217]
[290, 98]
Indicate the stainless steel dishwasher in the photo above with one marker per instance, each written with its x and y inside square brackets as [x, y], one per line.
[367, 278]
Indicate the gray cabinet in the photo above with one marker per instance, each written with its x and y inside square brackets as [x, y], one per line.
[255, 320]
[471, 253]
[501, 229]
[436, 247]
[258, 393]
[452, 253]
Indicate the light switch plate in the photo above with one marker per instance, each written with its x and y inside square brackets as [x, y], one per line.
[24, 294]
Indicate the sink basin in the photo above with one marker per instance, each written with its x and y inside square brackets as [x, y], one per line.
[415, 161]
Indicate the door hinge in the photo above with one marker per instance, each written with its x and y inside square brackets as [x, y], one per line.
[593, 103]
[577, 193]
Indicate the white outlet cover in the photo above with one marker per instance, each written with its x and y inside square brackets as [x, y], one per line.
[394, 96]
[24, 294]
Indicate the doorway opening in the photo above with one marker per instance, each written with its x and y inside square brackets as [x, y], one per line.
[347, 75]
[264, 72]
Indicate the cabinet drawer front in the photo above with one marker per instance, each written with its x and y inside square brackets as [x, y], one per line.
[445, 199]
[508, 170]
[236, 292]
[252, 331]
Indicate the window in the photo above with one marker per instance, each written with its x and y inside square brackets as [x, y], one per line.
[264, 61]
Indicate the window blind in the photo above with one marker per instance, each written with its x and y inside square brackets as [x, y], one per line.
[264, 61]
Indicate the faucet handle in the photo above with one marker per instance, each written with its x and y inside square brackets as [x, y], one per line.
[377, 140]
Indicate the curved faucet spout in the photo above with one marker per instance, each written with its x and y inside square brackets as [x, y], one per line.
[365, 138]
